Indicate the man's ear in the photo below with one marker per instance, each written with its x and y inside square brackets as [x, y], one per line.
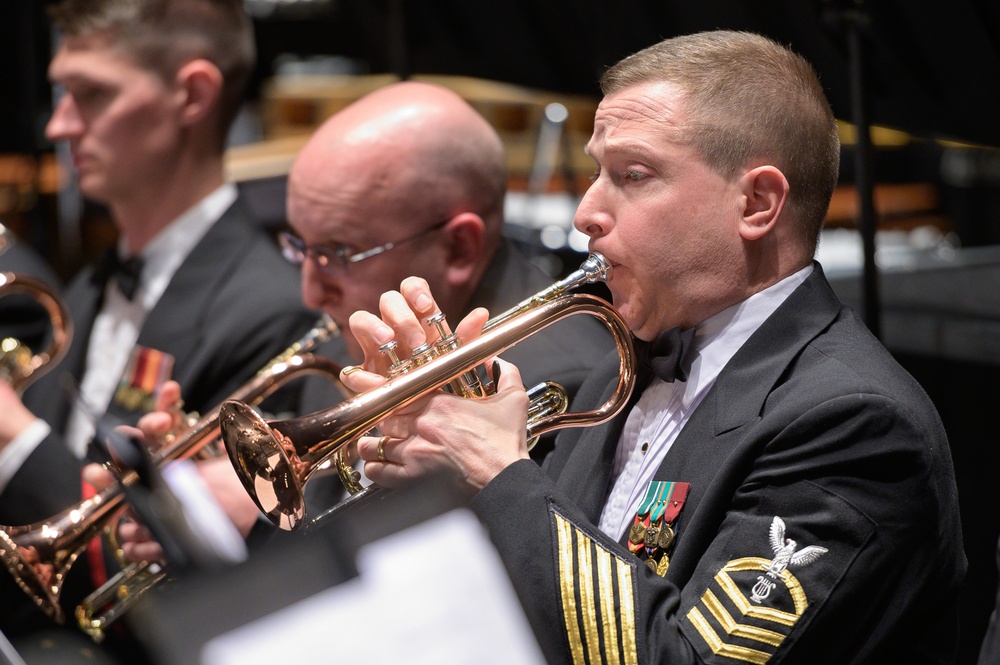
[765, 192]
[466, 235]
[200, 84]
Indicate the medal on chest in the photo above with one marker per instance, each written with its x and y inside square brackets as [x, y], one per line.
[147, 370]
[651, 536]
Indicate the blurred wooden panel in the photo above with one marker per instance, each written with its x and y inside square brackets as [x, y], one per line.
[296, 105]
[897, 205]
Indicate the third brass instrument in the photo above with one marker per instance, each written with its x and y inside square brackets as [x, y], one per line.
[274, 460]
[39, 555]
[19, 365]
[112, 599]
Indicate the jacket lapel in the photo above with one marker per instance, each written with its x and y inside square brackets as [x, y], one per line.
[587, 474]
[734, 404]
[178, 321]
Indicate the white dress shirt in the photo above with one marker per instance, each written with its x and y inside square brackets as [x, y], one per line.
[116, 329]
[664, 408]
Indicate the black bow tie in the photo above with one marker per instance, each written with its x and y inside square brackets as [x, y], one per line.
[126, 272]
[668, 356]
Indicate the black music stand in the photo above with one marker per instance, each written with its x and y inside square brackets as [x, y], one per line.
[175, 621]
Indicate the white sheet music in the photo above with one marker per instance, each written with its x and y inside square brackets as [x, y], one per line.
[436, 593]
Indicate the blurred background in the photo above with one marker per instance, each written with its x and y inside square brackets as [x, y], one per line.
[912, 234]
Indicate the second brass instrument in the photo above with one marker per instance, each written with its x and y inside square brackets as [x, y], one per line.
[274, 460]
[19, 365]
[40, 555]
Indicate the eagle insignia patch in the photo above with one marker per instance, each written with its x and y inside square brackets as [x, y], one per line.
[785, 556]
[752, 603]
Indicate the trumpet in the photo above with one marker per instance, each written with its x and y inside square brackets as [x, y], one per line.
[275, 460]
[19, 366]
[40, 555]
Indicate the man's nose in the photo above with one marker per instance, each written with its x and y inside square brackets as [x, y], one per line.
[318, 290]
[592, 217]
[65, 122]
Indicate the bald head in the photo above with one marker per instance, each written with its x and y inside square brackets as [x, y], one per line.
[411, 165]
[424, 148]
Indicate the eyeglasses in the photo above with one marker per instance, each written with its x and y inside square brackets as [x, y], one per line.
[335, 258]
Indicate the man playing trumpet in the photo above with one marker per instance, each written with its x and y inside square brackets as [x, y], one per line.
[781, 491]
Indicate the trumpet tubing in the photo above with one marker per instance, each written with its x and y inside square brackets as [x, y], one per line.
[275, 460]
[40, 555]
[116, 596]
[19, 366]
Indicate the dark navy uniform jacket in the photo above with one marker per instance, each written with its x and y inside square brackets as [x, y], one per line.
[812, 422]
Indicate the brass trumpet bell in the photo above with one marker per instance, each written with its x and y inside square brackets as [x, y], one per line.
[275, 460]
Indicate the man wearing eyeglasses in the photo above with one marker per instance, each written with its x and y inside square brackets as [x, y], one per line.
[410, 180]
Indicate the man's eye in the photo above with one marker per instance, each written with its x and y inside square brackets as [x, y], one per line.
[633, 175]
[90, 96]
[333, 252]
[595, 175]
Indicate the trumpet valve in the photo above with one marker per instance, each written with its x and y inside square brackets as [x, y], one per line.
[398, 366]
[423, 354]
[467, 384]
[447, 340]
[439, 322]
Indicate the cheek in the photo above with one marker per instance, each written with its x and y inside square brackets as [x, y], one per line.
[624, 293]
[142, 126]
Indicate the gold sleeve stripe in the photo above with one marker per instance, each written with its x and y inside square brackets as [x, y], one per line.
[606, 593]
[725, 620]
[588, 608]
[719, 647]
[603, 610]
[626, 613]
[567, 590]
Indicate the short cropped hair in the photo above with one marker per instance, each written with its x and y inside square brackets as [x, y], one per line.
[751, 101]
[161, 36]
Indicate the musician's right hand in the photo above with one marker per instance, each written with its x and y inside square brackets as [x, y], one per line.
[136, 540]
[470, 440]
[167, 417]
[404, 315]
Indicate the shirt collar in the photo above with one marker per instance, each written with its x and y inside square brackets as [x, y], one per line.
[719, 337]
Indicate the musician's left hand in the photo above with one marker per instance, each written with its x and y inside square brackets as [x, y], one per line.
[472, 440]
[218, 475]
[14, 416]
[136, 540]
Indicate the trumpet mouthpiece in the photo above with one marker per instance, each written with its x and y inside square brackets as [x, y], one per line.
[596, 267]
